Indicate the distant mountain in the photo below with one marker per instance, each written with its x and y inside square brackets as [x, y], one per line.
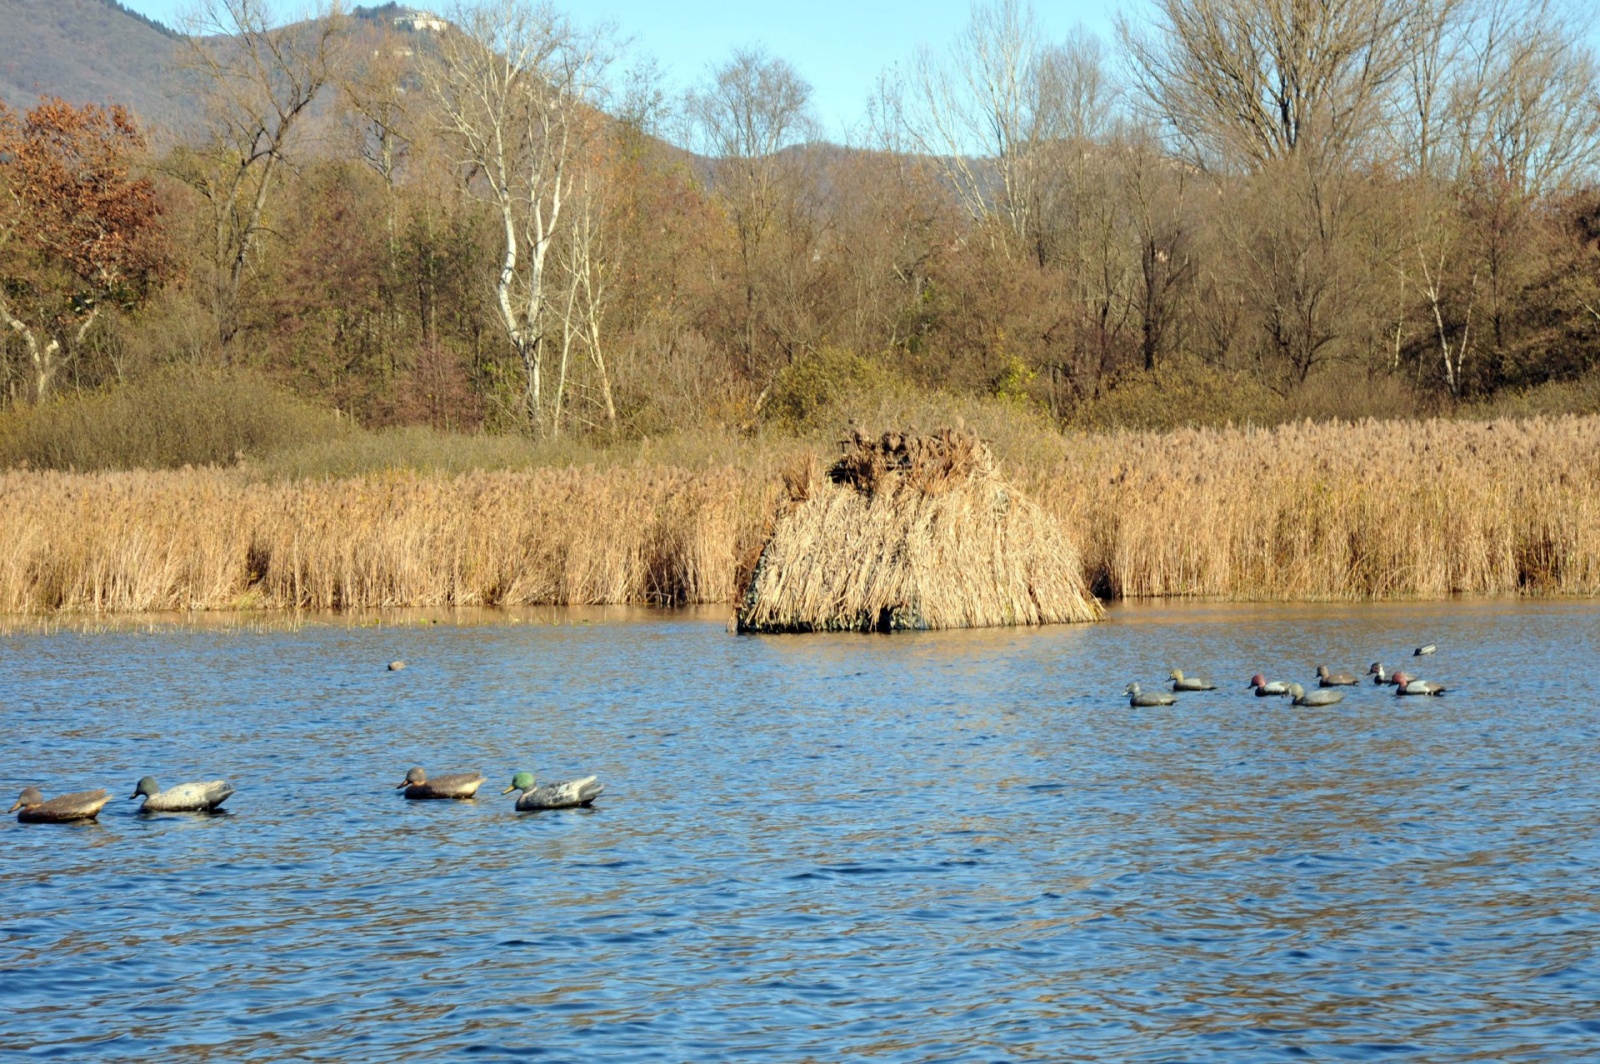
[89, 51]
[98, 51]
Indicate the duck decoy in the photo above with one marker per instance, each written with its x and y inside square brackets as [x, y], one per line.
[455, 785]
[1180, 682]
[1379, 674]
[1334, 679]
[1321, 697]
[1405, 685]
[184, 798]
[553, 795]
[1263, 688]
[1140, 697]
[396, 666]
[1427, 648]
[84, 805]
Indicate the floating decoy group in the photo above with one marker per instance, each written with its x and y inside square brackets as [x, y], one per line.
[208, 797]
[1326, 693]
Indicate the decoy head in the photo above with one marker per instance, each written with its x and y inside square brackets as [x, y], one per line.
[1296, 691]
[147, 787]
[1257, 680]
[1131, 689]
[1322, 671]
[522, 781]
[1400, 679]
[1375, 669]
[29, 798]
[1176, 674]
[414, 775]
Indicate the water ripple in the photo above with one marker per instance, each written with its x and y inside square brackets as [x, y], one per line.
[931, 847]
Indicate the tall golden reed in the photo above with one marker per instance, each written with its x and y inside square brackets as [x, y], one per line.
[1328, 511]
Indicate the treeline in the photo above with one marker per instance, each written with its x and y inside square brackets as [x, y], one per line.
[1244, 209]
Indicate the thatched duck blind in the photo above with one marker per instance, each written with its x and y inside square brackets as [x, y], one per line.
[911, 531]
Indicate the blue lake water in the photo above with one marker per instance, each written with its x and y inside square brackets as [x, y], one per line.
[918, 847]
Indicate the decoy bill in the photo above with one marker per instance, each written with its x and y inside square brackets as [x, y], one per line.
[1180, 682]
[1319, 697]
[454, 785]
[1138, 697]
[1334, 679]
[84, 805]
[553, 795]
[184, 798]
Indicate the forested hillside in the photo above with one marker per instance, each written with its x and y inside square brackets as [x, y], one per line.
[1245, 210]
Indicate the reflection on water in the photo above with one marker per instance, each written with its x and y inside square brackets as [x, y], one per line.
[914, 847]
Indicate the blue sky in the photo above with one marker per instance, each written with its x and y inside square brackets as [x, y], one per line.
[839, 46]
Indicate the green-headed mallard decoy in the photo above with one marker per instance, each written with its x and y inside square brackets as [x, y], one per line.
[85, 805]
[1263, 688]
[454, 785]
[1180, 682]
[1405, 685]
[553, 795]
[1319, 697]
[1334, 679]
[184, 798]
[1137, 697]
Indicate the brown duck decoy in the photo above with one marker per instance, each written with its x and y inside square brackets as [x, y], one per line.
[1334, 679]
[1180, 682]
[455, 785]
[84, 805]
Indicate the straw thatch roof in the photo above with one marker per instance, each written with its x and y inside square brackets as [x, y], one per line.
[911, 531]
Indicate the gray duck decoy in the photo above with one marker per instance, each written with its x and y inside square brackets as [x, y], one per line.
[1405, 685]
[1263, 688]
[184, 798]
[1426, 648]
[455, 785]
[553, 795]
[1138, 697]
[1334, 679]
[1320, 697]
[1180, 682]
[84, 805]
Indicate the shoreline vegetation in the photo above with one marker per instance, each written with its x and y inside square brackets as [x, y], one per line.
[327, 350]
[1305, 511]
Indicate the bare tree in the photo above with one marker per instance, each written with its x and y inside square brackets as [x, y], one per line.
[983, 111]
[752, 108]
[587, 274]
[1247, 82]
[512, 82]
[1530, 109]
[260, 81]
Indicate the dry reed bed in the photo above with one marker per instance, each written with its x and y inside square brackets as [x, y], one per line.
[1332, 511]
[210, 539]
[1337, 511]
